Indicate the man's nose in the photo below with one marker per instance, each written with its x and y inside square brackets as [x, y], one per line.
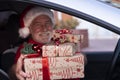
[44, 28]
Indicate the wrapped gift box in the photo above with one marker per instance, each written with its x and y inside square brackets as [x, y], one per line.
[66, 49]
[59, 67]
[49, 50]
[73, 38]
[67, 37]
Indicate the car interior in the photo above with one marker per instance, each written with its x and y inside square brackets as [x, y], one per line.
[113, 72]
[9, 42]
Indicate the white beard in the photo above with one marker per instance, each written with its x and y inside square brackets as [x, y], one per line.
[45, 35]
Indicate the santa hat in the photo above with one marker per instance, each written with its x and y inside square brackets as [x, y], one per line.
[28, 15]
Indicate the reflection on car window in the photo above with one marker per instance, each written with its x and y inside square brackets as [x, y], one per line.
[114, 3]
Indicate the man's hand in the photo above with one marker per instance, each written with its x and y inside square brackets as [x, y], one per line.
[20, 74]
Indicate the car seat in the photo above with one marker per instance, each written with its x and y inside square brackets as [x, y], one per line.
[9, 38]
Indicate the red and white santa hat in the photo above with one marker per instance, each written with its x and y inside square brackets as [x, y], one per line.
[29, 14]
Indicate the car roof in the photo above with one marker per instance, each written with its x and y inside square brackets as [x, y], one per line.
[95, 8]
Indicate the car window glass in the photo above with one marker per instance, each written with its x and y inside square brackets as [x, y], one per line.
[95, 37]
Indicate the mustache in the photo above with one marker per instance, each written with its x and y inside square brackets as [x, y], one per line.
[45, 33]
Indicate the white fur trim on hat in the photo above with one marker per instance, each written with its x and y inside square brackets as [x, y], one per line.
[24, 32]
[31, 15]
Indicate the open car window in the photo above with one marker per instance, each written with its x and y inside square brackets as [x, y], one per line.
[95, 38]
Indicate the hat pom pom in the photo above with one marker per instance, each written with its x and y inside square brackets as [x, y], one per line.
[24, 32]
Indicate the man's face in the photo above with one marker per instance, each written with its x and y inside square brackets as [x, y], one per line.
[41, 29]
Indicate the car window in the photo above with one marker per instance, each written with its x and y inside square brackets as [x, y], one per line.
[99, 39]
[95, 38]
[91, 31]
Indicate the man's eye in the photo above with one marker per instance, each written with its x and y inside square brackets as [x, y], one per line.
[48, 24]
[37, 25]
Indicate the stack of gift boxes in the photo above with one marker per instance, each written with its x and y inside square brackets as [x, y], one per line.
[60, 59]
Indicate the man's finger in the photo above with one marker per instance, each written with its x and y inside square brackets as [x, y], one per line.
[24, 74]
[20, 62]
[20, 77]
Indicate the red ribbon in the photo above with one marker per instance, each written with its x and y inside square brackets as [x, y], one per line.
[64, 31]
[33, 55]
[45, 68]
